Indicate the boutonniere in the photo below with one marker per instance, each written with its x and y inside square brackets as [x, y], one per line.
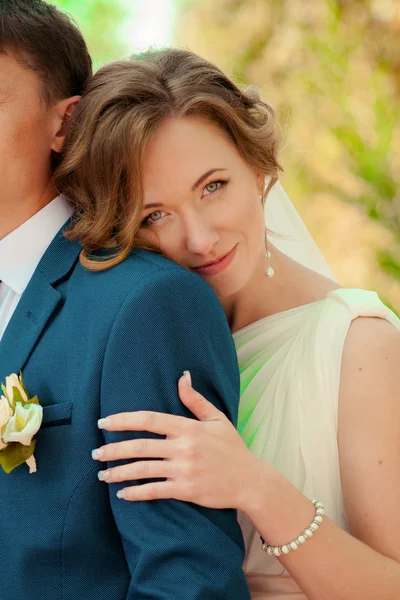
[20, 420]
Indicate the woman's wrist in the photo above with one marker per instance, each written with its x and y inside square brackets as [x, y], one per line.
[276, 508]
[255, 488]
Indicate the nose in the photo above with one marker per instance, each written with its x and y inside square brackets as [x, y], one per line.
[200, 237]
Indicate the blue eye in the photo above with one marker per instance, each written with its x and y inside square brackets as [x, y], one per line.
[153, 217]
[214, 186]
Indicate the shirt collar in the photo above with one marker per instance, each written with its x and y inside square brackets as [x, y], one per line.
[22, 249]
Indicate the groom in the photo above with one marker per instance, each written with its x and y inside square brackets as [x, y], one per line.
[91, 344]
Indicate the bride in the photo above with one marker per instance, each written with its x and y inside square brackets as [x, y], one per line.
[319, 415]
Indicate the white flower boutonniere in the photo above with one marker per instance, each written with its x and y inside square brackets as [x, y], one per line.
[20, 420]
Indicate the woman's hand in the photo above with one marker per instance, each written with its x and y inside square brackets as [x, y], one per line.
[204, 461]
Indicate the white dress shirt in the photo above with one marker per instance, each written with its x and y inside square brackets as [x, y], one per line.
[21, 251]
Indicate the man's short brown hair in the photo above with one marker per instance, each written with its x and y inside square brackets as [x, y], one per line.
[44, 39]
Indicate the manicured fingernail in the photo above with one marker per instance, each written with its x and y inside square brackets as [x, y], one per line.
[103, 423]
[188, 377]
[98, 453]
[121, 494]
[103, 475]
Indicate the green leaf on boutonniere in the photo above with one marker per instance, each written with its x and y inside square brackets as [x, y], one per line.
[17, 397]
[15, 455]
[23, 384]
[34, 400]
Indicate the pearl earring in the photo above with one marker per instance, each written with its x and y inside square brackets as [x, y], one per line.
[269, 271]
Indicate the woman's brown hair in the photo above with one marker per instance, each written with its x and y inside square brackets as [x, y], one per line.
[124, 104]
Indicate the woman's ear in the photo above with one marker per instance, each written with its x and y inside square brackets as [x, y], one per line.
[63, 113]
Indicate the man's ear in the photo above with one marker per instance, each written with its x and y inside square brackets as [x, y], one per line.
[64, 111]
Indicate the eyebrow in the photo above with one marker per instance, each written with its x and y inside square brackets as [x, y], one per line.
[204, 177]
[154, 205]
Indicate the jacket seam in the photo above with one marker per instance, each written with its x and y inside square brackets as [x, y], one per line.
[65, 524]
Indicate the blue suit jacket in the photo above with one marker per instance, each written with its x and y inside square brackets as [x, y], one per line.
[92, 344]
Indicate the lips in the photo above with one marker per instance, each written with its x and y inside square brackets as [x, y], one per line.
[214, 267]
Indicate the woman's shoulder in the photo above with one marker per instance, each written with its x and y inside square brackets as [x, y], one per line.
[369, 407]
[372, 347]
[351, 327]
[345, 309]
[360, 303]
[370, 361]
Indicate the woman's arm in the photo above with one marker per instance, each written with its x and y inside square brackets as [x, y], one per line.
[365, 565]
[207, 463]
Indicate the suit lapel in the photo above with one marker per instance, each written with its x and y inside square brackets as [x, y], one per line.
[37, 304]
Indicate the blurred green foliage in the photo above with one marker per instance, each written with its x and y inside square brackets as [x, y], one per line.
[100, 22]
[331, 68]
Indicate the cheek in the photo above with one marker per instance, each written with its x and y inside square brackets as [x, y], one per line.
[249, 217]
[23, 136]
[35, 137]
[168, 241]
[173, 248]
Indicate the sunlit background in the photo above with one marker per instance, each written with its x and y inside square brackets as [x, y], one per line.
[332, 69]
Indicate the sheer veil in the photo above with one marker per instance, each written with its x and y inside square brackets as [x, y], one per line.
[293, 237]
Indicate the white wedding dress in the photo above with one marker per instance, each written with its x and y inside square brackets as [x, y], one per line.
[290, 370]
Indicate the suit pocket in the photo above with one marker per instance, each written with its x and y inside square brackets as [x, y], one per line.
[57, 414]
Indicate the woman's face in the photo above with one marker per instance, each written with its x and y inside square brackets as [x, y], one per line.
[202, 201]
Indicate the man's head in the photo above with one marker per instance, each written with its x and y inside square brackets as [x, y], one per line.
[44, 68]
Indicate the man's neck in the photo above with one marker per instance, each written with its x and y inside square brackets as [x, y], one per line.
[12, 217]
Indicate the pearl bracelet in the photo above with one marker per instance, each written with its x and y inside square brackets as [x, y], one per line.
[308, 533]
